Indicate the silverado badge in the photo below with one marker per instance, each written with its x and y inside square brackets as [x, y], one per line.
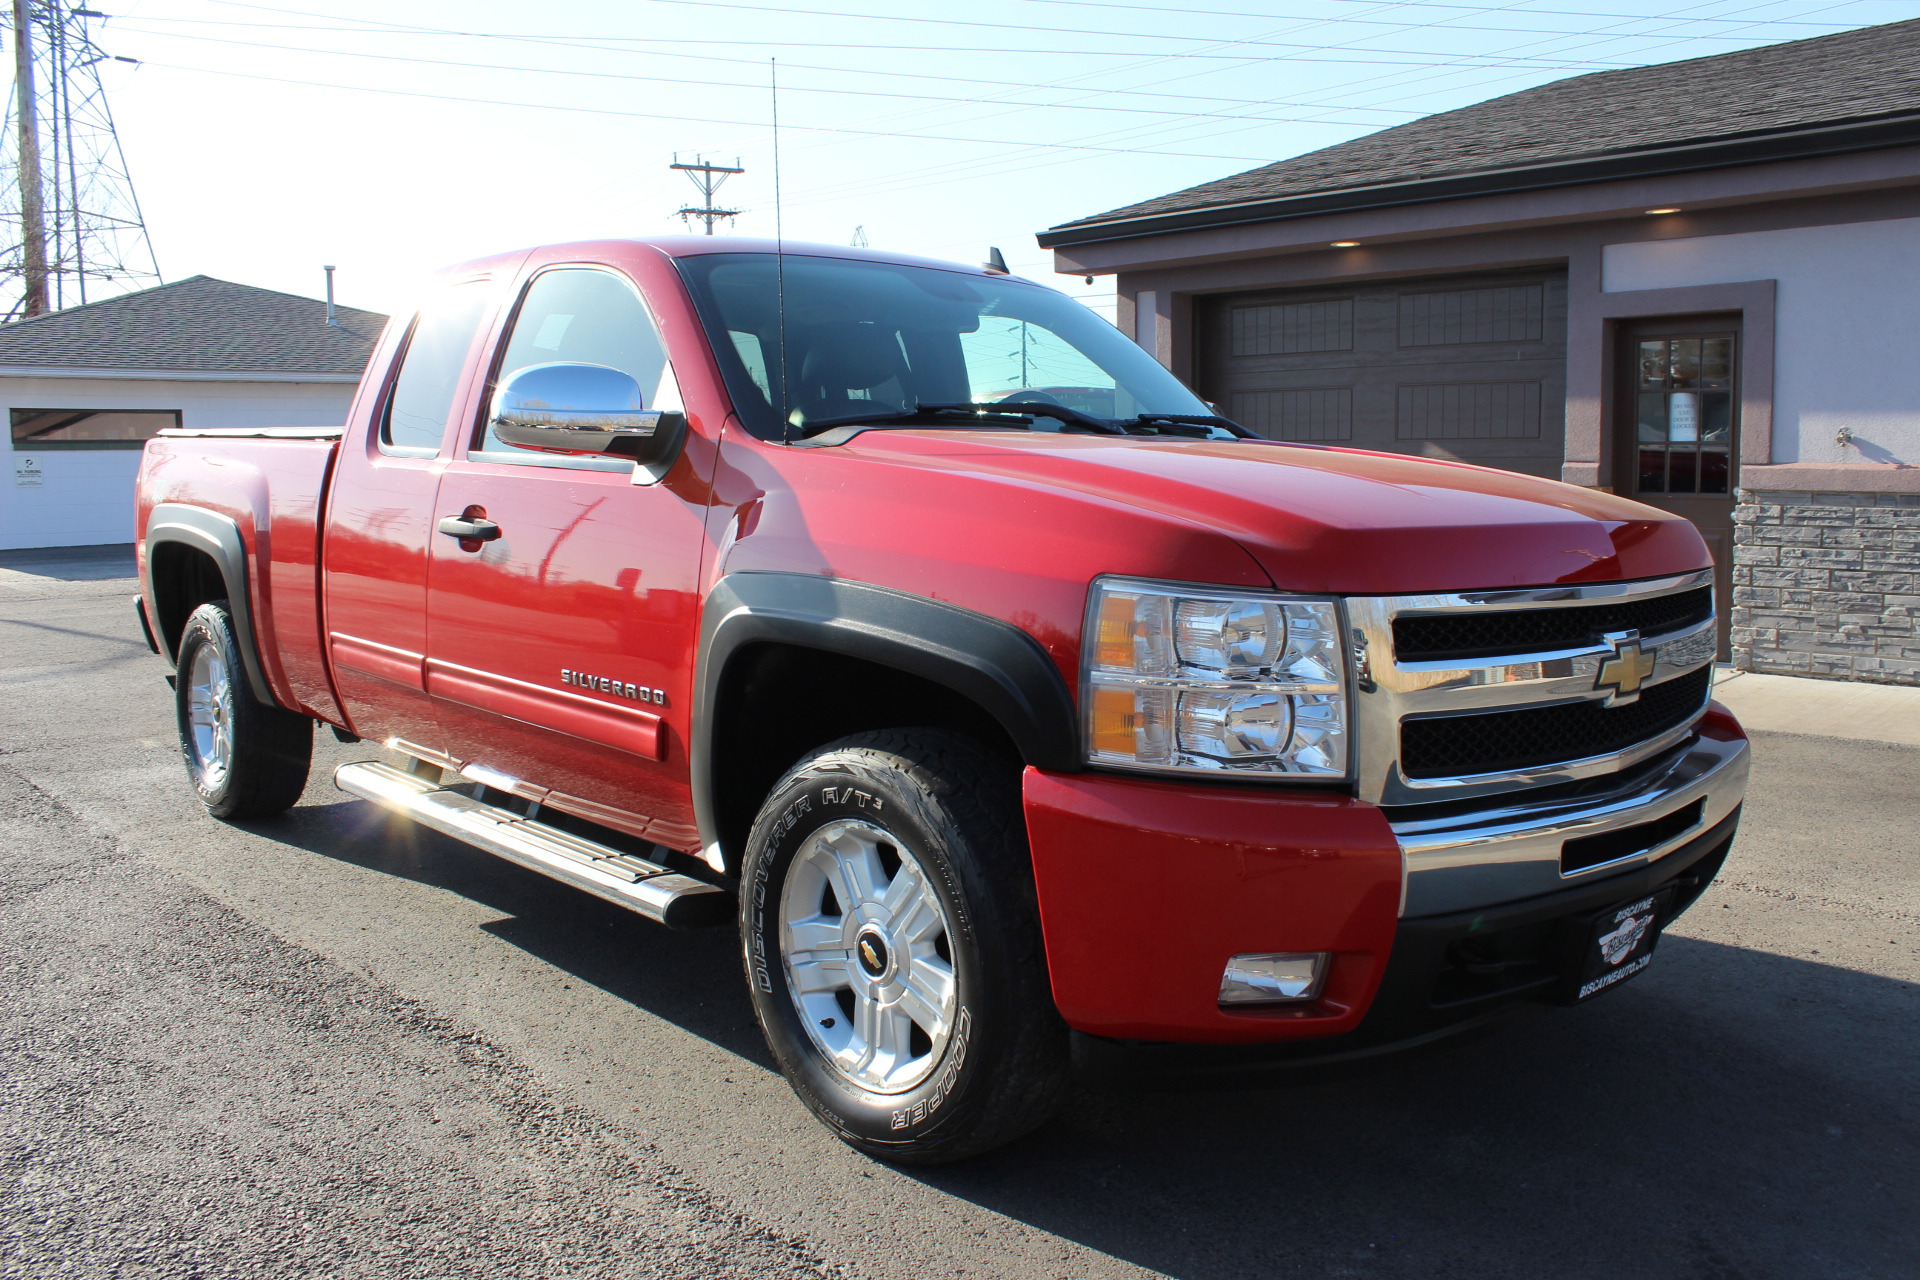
[618, 688]
[1622, 674]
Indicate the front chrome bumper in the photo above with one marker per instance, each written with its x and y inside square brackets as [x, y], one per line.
[1462, 861]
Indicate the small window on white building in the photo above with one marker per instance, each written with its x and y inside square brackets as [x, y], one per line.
[89, 428]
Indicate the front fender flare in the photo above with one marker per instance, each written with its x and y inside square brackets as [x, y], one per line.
[992, 663]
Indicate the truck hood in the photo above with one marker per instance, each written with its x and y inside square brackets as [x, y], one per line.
[1340, 520]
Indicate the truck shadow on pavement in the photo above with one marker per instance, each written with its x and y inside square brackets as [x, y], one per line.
[1734, 1113]
[689, 978]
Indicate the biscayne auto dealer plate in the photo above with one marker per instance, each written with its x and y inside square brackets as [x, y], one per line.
[1621, 944]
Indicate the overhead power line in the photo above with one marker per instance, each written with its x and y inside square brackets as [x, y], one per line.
[1018, 161]
[708, 82]
[1529, 11]
[646, 115]
[916, 76]
[1014, 26]
[597, 41]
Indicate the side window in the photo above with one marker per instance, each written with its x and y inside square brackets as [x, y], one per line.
[430, 369]
[591, 317]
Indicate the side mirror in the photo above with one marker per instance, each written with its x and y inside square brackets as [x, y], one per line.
[585, 410]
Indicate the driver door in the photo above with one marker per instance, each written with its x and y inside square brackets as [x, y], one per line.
[559, 654]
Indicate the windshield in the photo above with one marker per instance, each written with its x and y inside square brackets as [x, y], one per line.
[866, 337]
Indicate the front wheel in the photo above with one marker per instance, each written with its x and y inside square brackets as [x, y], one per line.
[893, 947]
[245, 759]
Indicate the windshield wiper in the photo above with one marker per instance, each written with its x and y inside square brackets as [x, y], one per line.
[1031, 409]
[1021, 413]
[1200, 426]
[964, 415]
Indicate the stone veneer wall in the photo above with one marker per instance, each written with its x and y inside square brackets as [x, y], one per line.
[1827, 584]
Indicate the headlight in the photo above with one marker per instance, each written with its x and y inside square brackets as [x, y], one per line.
[1202, 680]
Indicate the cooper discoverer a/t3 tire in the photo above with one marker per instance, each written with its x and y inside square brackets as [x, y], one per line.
[892, 947]
[245, 759]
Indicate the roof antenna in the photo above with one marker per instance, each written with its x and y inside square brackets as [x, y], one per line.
[779, 255]
[330, 319]
[996, 262]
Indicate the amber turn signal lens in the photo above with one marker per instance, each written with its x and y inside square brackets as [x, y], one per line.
[1113, 643]
[1116, 717]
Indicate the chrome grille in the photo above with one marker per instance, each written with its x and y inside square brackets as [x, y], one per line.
[1469, 722]
[1503, 741]
[1446, 637]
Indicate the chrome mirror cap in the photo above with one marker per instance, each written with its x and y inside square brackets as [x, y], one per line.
[574, 408]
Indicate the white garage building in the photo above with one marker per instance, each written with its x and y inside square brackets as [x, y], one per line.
[83, 388]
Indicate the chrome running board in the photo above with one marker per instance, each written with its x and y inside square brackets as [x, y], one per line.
[677, 901]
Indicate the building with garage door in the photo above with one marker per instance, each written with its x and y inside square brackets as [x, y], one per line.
[1696, 284]
[84, 388]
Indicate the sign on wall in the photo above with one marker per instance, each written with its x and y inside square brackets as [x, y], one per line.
[26, 471]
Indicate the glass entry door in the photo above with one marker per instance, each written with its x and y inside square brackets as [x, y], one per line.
[1677, 429]
[1684, 406]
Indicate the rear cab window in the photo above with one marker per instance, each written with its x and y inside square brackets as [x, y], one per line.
[435, 356]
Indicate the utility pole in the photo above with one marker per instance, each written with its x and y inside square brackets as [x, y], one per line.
[33, 211]
[706, 177]
[69, 219]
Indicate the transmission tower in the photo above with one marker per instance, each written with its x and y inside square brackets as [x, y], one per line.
[70, 225]
[707, 177]
[859, 240]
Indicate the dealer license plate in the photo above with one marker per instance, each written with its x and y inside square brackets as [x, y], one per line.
[1621, 944]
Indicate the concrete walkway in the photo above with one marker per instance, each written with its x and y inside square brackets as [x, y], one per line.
[51, 573]
[1822, 708]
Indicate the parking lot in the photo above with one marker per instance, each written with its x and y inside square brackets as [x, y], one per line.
[332, 1043]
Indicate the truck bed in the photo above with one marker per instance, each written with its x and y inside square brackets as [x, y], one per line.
[271, 482]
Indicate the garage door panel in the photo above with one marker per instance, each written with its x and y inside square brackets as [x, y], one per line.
[1468, 368]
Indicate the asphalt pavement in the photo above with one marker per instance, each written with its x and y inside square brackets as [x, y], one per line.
[335, 1044]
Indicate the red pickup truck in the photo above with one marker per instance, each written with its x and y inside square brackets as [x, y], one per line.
[1008, 698]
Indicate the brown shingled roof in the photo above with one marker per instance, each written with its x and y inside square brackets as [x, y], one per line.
[1868, 74]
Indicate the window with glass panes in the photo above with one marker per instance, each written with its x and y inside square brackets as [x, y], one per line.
[1685, 442]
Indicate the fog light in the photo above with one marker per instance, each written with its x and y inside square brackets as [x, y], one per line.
[1272, 979]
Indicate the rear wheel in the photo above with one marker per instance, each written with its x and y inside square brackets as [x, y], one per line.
[245, 759]
[893, 947]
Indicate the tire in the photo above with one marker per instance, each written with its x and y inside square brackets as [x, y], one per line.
[892, 947]
[245, 759]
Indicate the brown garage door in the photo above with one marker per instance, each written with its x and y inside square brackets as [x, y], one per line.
[1472, 368]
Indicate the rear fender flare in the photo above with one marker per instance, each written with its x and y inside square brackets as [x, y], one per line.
[992, 663]
[219, 537]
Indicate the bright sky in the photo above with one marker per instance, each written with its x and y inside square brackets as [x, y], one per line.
[391, 137]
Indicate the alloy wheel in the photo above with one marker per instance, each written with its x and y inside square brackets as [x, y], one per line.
[210, 717]
[864, 939]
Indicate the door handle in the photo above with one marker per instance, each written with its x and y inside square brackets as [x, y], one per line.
[469, 528]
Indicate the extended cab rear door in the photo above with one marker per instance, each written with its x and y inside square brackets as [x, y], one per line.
[380, 512]
[560, 654]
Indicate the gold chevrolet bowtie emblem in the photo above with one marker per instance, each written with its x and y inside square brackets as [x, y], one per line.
[1623, 673]
[869, 954]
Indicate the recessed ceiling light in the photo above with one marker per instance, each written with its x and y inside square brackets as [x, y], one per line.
[1670, 210]
[1346, 244]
